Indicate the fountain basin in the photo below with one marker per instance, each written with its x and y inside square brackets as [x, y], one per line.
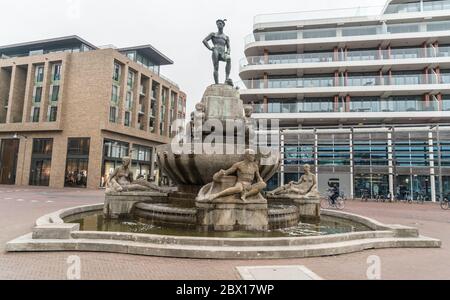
[377, 236]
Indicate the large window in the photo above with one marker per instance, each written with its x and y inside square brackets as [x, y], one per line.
[116, 72]
[77, 162]
[56, 72]
[39, 75]
[142, 162]
[53, 112]
[113, 152]
[41, 161]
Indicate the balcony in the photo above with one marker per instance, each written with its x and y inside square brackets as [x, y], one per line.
[362, 55]
[347, 31]
[355, 12]
[341, 81]
[376, 106]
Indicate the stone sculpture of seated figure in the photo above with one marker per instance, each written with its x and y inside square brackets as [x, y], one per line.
[247, 172]
[121, 180]
[305, 187]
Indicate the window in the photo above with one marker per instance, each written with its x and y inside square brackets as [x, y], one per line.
[112, 114]
[78, 146]
[77, 162]
[115, 94]
[115, 149]
[55, 93]
[39, 75]
[131, 77]
[35, 114]
[127, 119]
[41, 160]
[37, 94]
[52, 114]
[116, 73]
[57, 72]
[129, 101]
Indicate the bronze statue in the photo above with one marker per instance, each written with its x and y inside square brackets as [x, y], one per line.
[306, 186]
[121, 180]
[246, 171]
[220, 51]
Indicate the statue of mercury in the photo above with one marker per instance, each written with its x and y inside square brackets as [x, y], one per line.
[220, 51]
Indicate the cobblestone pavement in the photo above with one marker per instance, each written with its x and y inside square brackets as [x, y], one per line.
[21, 206]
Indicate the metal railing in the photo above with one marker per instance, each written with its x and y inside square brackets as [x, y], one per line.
[340, 81]
[347, 31]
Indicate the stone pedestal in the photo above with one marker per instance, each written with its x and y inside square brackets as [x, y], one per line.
[308, 207]
[230, 213]
[120, 205]
[232, 216]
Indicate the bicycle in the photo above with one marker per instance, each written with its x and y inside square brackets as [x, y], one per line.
[420, 198]
[339, 203]
[365, 195]
[445, 204]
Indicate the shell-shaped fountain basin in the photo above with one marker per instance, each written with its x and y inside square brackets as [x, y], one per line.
[198, 167]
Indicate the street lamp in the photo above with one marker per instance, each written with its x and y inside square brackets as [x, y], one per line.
[18, 136]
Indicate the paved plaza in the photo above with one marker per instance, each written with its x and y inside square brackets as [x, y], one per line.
[21, 206]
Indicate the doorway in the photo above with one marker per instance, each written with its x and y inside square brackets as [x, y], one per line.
[8, 161]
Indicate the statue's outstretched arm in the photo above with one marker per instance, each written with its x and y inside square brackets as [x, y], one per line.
[231, 170]
[112, 177]
[206, 41]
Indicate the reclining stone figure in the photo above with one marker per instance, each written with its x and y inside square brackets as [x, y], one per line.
[305, 187]
[121, 180]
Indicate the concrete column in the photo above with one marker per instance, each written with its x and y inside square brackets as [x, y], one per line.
[148, 110]
[24, 161]
[28, 94]
[11, 94]
[391, 166]
[282, 158]
[352, 170]
[265, 105]
[158, 110]
[316, 152]
[136, 98]
[167, 113]
[432, 165]
[122, 94]
[58, 166]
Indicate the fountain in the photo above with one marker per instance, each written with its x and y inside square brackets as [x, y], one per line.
[218, 207]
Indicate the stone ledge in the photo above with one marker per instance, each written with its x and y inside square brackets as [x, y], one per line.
[25, 244]
[54, 231]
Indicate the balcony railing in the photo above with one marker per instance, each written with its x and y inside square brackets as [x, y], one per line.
[368, 11]
[362, 55]
[348, 31]
[381, 105]
[341, 81]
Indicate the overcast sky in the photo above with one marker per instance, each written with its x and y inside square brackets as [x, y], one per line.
[175, 27]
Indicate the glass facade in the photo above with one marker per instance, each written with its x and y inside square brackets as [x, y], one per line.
[398, 161]
[77, 162]
[142, 162]
[113, 152]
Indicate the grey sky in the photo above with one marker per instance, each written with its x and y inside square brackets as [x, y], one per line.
[175, 27]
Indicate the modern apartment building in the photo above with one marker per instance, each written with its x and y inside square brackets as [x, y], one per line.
[361, 94]
[70, 111]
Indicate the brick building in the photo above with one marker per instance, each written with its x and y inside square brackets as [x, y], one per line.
[70, 111]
